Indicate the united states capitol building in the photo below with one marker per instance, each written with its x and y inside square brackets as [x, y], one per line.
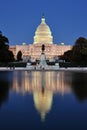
[43, 35]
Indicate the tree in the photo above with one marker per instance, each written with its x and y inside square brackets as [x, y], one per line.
[79, 50]
[66, 56]
[3, 41]
[5, 54]
[19, 56]
[78, 53]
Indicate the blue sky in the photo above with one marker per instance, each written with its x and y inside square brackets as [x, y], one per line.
[67, 19]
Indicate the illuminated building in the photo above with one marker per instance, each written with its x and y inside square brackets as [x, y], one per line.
[43, 35]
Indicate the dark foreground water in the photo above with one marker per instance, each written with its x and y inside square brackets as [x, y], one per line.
[43, 100]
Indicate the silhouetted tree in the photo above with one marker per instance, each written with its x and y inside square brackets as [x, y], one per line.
[3, 41]
[5, 54]
[78, 53]
[67, 56]
[79, 50]
[19, 56]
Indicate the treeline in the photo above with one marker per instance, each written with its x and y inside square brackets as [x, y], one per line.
[78, 53]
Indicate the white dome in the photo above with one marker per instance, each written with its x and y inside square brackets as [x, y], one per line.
[43, 33]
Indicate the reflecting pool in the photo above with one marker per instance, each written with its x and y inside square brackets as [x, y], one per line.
[43, 100]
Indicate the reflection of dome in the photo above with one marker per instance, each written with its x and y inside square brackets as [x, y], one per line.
[43, 102]
[43, 33]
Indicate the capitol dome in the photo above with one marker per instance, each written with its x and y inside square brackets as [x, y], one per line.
[43, 33]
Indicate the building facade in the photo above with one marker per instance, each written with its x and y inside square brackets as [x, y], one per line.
[42, 36]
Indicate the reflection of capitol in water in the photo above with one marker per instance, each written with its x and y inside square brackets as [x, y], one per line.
[32, 81]
[43, 85]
